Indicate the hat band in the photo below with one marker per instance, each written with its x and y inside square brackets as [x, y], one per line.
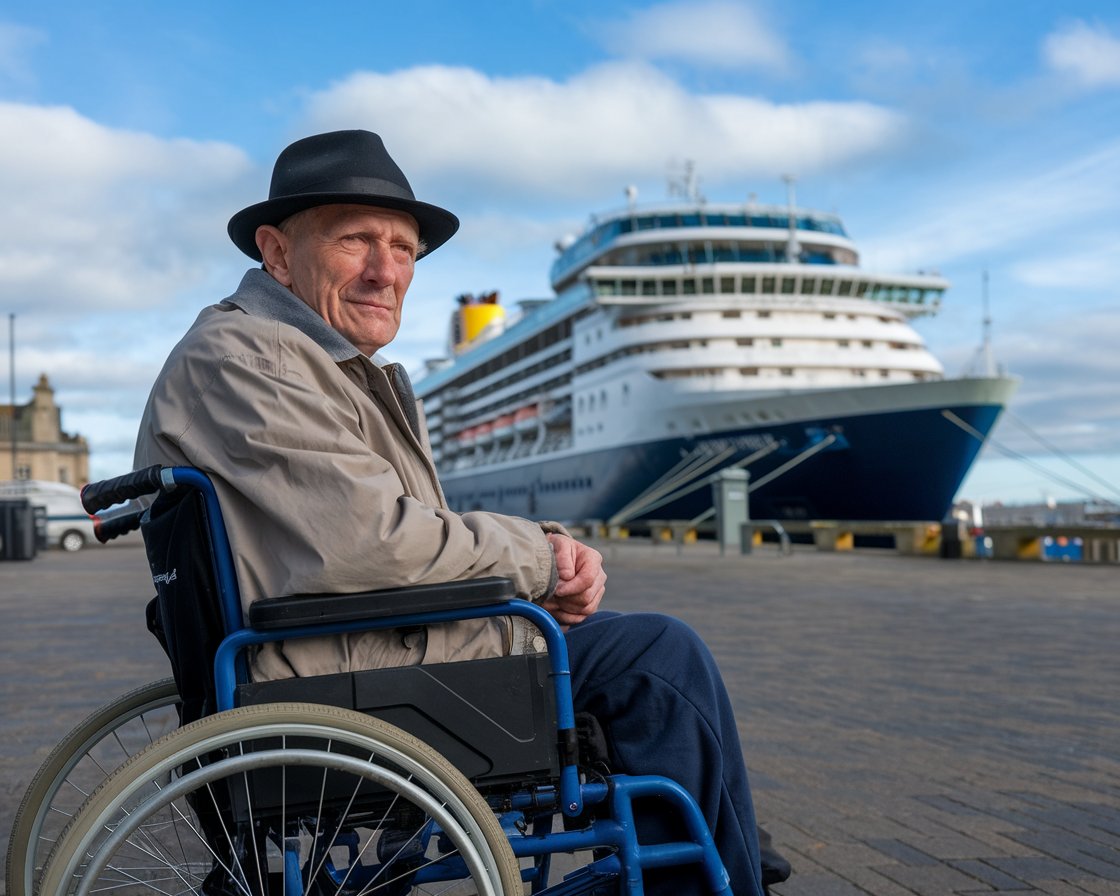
[370, 186]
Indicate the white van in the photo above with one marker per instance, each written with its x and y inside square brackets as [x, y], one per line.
[68, 525]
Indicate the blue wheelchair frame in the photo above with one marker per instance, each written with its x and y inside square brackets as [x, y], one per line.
[617, 792]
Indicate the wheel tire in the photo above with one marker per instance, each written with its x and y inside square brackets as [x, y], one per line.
[72, 540]
[74, 768]
[144, 819]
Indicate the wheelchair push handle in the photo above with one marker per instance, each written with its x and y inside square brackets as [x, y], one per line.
[105, 530]
[99, 495]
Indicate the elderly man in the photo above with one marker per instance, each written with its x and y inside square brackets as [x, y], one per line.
[320, 457]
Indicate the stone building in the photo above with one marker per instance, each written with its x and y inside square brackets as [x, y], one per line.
[42, 449]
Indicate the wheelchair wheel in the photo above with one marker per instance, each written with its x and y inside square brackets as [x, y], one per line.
[285, 799]
[74, 769]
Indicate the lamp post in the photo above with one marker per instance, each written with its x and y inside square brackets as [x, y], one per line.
[12, 383]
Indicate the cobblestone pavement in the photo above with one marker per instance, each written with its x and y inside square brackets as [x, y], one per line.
[912, 725]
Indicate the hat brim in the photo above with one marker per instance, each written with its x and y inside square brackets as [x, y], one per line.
[436, 225]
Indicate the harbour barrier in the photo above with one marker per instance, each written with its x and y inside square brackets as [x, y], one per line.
[1043, 543]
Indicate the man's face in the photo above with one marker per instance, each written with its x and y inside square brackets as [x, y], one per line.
[352, 264]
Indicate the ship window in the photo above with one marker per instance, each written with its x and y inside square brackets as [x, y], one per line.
[688, 286]
[748, 284]
[708, 286]
[746, 342]
[629, 287]
[787, 371]
[884, 373]
[776, 342]
[843, 343]
[669, 287]
[830, 315]
[649, 287]
[861, 289]
[727, 284]
[860, 373]
[826, 287]
[867, 343]
[690, 220]
[763, 313]
[787, 285]
[732, 314]
[845, 288]
[748, 371]
[768, 285]
[807, 286]
[645, 223]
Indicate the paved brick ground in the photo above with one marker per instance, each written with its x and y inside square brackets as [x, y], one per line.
[912, 725]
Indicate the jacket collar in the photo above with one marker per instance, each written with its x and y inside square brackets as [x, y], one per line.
[260, 295]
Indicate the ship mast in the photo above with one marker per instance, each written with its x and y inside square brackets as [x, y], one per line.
[793, 248]
[989, 364]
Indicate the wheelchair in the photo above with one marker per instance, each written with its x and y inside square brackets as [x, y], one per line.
[456, 778]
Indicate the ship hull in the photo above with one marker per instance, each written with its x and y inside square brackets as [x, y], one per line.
[891, 453]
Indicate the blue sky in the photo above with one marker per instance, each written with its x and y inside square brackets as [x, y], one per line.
[961, 137]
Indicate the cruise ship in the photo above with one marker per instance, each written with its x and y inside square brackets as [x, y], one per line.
[688, 337]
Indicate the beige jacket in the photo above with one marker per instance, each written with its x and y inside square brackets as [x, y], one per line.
[324, 472]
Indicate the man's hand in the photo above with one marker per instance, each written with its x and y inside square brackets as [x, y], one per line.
[581, 580]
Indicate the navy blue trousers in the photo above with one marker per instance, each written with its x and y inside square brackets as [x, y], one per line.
[659, 696]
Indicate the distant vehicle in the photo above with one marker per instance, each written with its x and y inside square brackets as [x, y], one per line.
[68, 525]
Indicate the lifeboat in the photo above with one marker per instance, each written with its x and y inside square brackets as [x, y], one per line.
[484, 433]
[503, 427]
[525, 419]
[466, 437]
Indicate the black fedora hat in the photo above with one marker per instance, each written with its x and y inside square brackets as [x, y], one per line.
[341, 167]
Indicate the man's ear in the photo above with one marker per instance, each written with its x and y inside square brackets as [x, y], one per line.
[274, 252]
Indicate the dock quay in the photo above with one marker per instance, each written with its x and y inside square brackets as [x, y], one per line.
[1096, 543]
[914, 725]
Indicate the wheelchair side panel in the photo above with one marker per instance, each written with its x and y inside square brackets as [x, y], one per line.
[493, 719]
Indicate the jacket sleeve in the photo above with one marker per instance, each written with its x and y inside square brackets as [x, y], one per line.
[310, 504]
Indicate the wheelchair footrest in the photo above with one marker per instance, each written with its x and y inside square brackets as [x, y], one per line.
[494, 719]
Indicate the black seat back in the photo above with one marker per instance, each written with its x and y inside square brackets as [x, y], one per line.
[185, 614]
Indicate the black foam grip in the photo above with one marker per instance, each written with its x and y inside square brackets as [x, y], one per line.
[107, 530]
[99, 495]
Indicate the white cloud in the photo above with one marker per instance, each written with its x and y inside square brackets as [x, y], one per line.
[604, 127]
[16, 44]
[969, 221]
[102, 218]
[1095, 268]
[1089, 54]
[712, 34]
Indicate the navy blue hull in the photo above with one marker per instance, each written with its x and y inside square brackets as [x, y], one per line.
[902, 465]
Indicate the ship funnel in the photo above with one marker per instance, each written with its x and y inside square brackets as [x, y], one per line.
[477, 319]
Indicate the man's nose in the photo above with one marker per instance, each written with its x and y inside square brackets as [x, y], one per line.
[380, 267]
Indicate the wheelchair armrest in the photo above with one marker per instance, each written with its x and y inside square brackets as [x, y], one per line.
[310, 609]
